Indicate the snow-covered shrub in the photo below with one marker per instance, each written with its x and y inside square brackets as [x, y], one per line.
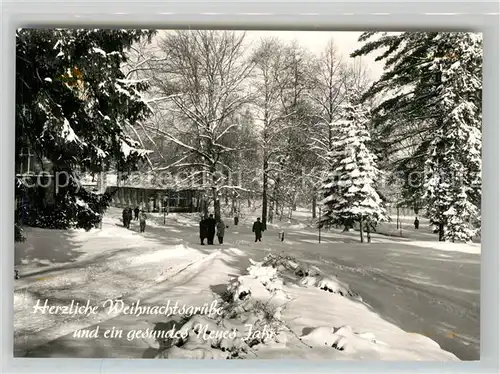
[311, 276]
[266, 275]
[289, 265]
[203, 337]
[247, 286]
[18, 233]
[82, 210]
[238, 290]
[254, 300]
[263, 273]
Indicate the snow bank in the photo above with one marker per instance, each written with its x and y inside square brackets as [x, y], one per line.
[342, 338]
[250, 319]
[279, 308]
[264, 316]
[262, 283]
[472, 248]
[311, 276]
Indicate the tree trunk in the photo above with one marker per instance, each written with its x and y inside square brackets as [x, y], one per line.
[361, 229]
[215, 193]
[314, 207]
[233, 204]
[264, 192]
[368, 237]
[347, 225]
[441, 232]
[205, 207]
[217, 210]
[271, 212]
[216, 204]
[276, 194]
[54, 189]
[101, 182]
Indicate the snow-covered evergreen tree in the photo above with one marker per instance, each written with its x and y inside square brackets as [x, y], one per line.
[349, 192]
[429, 121]
[72, 106]
[453, 170]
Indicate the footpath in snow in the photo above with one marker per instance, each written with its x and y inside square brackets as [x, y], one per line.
[275, 306]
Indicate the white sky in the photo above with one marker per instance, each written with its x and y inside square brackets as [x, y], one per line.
[315, 41]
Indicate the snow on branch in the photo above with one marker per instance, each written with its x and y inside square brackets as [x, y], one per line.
[181, 143]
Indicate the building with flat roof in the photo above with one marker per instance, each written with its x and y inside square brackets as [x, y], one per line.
[148, 192]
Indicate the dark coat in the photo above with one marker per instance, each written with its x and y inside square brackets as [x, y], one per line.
[257, 228]
[211, 223]
[203, 229]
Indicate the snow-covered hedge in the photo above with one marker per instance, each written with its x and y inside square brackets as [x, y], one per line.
[310, 276]
[251, 316]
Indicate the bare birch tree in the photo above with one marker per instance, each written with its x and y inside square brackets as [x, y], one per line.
[268, 86]
[204, 80]
[335, 80]
[296, 82]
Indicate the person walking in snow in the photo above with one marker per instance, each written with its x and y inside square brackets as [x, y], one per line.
[416, 223]
[130, 214]
[221, 228]
[125, 217]
[203, 231]
[136, 213]
[142, 221]
[211, 223]
[257, 228]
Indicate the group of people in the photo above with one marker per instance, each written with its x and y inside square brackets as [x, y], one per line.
[137, 214]
[210, 227]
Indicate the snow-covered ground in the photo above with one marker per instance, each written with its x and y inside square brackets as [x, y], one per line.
[314, 313]
[302, 219]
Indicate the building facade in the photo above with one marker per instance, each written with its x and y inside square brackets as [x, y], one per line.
[143, 192]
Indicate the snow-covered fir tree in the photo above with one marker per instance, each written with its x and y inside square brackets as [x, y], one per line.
[73, 104]
[349, 192]
[429, 121]
[453, 170]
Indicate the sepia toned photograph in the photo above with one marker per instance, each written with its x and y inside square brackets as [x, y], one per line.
[230, 194]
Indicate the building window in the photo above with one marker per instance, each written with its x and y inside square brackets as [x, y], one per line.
[27, 162]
